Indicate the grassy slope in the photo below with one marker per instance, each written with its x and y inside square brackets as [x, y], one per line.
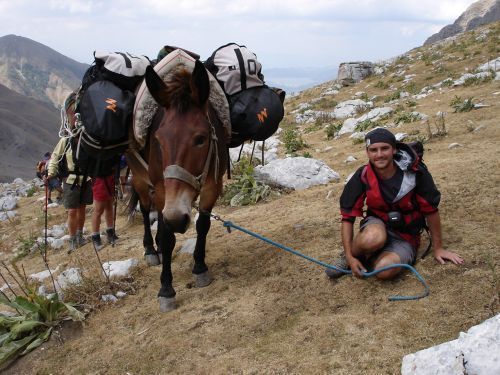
[271, 312]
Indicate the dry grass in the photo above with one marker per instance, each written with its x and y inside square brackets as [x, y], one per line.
[271, 312]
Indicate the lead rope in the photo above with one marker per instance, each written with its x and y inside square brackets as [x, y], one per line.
[228, 225]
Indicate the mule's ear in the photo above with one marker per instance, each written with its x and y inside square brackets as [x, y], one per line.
[200, 84]
[156, 86]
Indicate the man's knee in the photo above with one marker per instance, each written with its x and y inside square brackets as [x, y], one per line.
[386, 259]
[372, 237]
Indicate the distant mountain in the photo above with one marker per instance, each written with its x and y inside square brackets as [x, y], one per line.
[37, 71]
[479, 13]
[293, 80]
[28, 129]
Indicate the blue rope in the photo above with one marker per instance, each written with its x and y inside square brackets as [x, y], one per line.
[229, 224]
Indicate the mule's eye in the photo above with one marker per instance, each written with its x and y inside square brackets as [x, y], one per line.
[199, 140]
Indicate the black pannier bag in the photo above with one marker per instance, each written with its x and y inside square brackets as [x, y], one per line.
[105, 103]
[255, 114]
[255, 109]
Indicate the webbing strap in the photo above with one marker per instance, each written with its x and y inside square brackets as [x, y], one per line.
[243, 73]
[178, 173]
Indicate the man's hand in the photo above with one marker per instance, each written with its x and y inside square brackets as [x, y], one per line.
[356, 266]
[442, 255]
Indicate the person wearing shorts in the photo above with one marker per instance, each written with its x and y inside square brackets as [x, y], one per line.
[73, 200]
[103, 190]
[401, 197]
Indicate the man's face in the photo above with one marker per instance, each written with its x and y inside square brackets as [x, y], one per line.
[380, 155]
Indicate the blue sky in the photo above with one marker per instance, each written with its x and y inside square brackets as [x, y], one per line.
[283, 33]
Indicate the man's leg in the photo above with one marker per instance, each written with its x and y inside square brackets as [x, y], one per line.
[396, 251]
[371, 238]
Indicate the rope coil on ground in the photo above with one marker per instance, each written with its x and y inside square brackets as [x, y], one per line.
[229, 225]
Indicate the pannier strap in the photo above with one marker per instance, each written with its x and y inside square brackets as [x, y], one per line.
[243, 73]
[178, 173]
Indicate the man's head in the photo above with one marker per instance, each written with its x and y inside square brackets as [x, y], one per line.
[380, 148]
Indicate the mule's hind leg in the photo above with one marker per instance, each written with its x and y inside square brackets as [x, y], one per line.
[200, 269]
[150, 254]
[166, 295]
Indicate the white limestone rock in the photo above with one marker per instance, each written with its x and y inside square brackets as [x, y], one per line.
[68, 277]
[109, 298]
[8, 203]
[188, 246]
[120, 268]
[6, 215]
[350, 159]
[454, 145]
[296, 173]
[350, 108]
[475, 352]
[400, 136]
[41, 276]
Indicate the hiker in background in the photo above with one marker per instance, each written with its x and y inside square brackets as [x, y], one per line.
[73, 199]
[401, 197]
[103, 189]
[53, 183]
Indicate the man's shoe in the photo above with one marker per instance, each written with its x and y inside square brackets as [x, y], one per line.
[72, 244]
[49, 201]
[80, 240]
[97, 242]
[340, 262]
[111, 236]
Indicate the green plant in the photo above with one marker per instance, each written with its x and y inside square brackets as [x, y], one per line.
[406, 117]
[307, 154]
[36, 317]
[381, 85]
[411, 103]
[293, 141]
[365, 125]
[32, 190]
[394, 96]
[331, 130]
[462, 105]
[245, 189]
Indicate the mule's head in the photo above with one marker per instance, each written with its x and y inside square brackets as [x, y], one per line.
[184, 136]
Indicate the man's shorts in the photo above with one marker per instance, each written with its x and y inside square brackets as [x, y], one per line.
[72, 198]
[103, 188]
[393, 244]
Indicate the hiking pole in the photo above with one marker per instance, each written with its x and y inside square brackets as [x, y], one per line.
[44, 253]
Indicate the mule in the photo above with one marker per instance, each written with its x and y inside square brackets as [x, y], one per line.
[187, 157]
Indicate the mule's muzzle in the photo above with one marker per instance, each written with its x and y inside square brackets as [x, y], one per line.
[177, 221]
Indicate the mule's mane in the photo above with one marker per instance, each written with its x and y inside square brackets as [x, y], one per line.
[179, 90]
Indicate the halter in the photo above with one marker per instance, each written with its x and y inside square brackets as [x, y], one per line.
[176, 172]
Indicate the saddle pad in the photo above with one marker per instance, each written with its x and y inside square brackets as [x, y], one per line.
[145, 106]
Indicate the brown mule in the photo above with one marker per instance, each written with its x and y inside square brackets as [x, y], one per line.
[186, 157]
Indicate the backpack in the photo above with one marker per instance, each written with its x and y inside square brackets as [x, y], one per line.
[105, 103]
[255, 109]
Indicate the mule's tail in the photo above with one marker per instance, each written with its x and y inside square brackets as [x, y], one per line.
[132, 205]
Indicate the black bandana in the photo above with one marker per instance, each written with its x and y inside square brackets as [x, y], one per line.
[380, 135]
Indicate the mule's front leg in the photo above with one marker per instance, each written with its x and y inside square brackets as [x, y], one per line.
[200, 269]
[166, 295]
[150, 254]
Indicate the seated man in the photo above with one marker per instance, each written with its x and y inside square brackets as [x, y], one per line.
[401, 197]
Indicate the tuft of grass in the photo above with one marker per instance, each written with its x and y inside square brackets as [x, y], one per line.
[406, 117]
[462, 105]
[394, 96]
[332, 130]
[367, 124]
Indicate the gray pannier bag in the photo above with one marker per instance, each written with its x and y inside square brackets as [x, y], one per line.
[236, 68]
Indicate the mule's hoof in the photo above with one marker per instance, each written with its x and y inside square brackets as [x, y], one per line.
[167, 304]
[151, 259]
[203, 279]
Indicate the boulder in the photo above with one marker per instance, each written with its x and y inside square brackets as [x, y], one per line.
[8, 203]
[296, 173]
[352, 72]
[349, 108]
[120, 268]
[475, 352]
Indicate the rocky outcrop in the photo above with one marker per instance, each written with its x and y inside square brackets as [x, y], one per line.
[479, 13]
[352, 72]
